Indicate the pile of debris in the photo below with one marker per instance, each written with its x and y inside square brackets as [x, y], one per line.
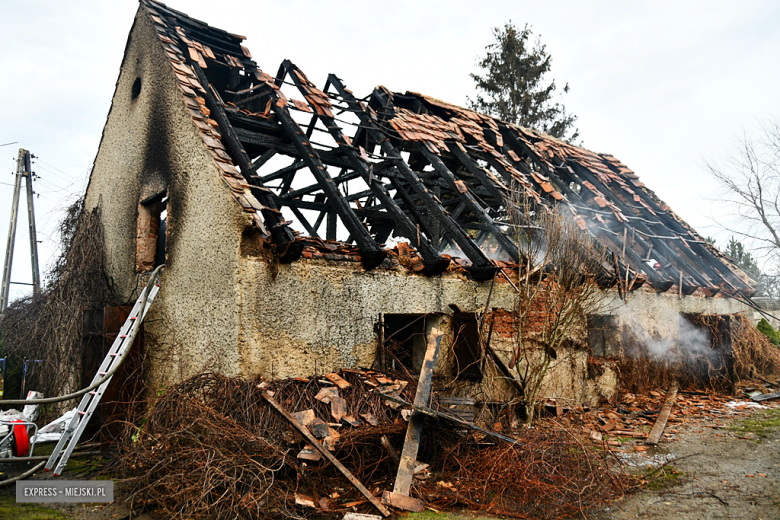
[635, 421]
[215, 447]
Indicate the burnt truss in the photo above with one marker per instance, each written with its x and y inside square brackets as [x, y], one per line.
[364, 170]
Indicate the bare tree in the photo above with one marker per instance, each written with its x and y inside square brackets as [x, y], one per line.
[750, 183]
[558, 289]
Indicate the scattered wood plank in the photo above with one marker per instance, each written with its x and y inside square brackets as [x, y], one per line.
[304, 500]
[370, 418]
[319, 428]
[326, 394]
[389, 447]
[402, 502]
[306, 417]
[349, 419]
[445, 415]
[765, 397]
[338, 408]
[328, 455]
[403, 480]
[309, 453]
[660, 423]
[360, 516]
[337, 380]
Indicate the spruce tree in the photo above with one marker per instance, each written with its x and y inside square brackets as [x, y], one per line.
[513, 88]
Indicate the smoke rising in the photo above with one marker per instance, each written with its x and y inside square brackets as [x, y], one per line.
[674, 339]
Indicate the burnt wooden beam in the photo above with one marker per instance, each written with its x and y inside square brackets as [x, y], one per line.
[309, 229]
[482, 266]
[278, 174]
[471, 165]
[252, 137]
[308, 190]
[264, 158]
[465, 196]
[319, 220]
[323, 206]
[371, 254]
[280, 232]
[253, 123]
[431, 258]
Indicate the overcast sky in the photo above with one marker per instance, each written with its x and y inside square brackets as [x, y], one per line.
[662, 86]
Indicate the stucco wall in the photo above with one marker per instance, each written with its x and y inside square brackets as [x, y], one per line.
[149, 143]
[317, 315]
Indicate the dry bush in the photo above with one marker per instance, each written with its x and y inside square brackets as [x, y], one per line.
[753, 354]
[48, 326]
[559, 284]
[550, 474]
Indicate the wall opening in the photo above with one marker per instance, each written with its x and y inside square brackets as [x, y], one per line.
[136, 89]
[150, 232]
[604, 335]
[466, 349]
[405, 340]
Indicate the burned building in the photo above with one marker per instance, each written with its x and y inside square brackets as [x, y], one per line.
[303, 227]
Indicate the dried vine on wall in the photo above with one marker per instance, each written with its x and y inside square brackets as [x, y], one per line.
[48, 326]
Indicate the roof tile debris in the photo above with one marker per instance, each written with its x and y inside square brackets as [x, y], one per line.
[432, 172]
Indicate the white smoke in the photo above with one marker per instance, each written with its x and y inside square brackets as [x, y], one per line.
[674, 338]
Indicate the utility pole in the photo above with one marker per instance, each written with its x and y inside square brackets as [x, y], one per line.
[23, 171]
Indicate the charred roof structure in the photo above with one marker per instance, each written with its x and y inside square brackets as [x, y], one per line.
[412, 166]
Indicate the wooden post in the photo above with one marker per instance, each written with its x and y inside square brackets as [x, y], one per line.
[403, 480]
[381, 347]
[328, 455]
[679, 292]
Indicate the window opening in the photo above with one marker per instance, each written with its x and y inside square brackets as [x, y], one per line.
[603, 335]
[150, 232]
[405, 341]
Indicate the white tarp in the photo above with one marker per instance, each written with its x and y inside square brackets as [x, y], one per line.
[53, 431]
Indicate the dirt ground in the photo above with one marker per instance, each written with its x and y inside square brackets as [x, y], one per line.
[724, 469]
[727, 468]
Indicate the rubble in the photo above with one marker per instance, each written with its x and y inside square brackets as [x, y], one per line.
[215, 446]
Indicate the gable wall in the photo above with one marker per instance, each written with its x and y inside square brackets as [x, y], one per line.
[149, 143]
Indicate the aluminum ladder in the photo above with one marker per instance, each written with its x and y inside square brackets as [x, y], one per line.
[91, 399]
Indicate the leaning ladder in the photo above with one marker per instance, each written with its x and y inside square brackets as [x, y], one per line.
[91, 399]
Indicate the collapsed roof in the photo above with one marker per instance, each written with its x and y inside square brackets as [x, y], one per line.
[408, 165]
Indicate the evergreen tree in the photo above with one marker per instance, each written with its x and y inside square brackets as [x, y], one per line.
[513, 89]
[743, 258]
[767, 284]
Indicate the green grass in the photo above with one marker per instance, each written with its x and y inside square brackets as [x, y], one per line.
[663, 477]
[759, 424]
[10, 509]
